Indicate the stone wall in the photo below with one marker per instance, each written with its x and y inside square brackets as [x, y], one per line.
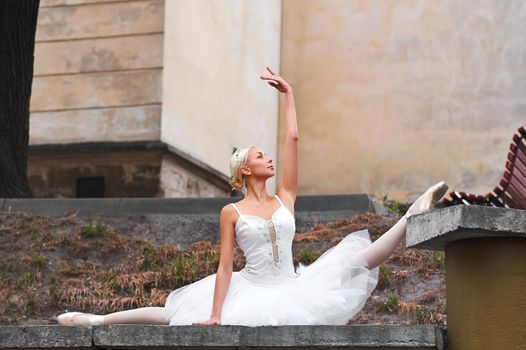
[98, 71]
[126, 173]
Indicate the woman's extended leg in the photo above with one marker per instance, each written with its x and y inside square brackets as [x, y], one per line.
[384, 246]
[143, 315]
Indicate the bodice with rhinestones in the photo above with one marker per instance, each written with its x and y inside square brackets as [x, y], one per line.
[267, 245]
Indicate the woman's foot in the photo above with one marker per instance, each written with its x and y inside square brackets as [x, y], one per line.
[427, 201]
[79, 319]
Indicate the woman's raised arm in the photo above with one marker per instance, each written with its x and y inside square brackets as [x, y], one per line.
[288, 188]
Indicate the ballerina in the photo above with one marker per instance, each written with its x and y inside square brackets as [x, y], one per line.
[268, 290]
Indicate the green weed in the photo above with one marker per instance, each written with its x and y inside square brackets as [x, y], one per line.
[391, 303]
[55, 293]
[25, 279]
[97, 230]
[38, 261]
[423, 315]
[439, 259]
[383, 276]
[306, 256]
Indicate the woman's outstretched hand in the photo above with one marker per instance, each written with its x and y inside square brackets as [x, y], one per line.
[276, 81]
[211, 321]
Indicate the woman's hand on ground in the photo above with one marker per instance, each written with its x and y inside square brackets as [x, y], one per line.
[211, 321]
[276, 81]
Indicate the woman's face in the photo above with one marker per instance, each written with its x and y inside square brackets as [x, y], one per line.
[259, 164]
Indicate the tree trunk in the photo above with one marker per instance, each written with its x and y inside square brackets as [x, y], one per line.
[18, 20]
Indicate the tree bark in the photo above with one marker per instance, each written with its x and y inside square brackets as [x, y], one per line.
[18, 20]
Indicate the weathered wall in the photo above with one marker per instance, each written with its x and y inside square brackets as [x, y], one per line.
[395, 95]
[98, 71]
[125, 174]
[176, 180]
[213, 99]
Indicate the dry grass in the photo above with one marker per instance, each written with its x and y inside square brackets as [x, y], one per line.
[49, 265]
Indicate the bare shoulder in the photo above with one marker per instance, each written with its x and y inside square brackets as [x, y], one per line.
[228, 212]
[287, 198]
[228, 209]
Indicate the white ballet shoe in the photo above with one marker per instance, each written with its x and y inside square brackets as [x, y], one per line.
[428, 200]
[79, 319]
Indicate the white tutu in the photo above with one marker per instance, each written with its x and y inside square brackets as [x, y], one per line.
[329, 291]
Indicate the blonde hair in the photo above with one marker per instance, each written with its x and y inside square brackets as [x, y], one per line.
[237, 160]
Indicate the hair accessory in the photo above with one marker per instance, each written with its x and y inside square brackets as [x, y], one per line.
[236, 154]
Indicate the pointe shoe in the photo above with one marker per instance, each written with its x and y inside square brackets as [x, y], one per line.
[428, 200]
[79, 319]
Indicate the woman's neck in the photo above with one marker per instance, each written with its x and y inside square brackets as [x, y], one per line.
[257, 193]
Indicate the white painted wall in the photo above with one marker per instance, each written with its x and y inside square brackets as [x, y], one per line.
[213, 99]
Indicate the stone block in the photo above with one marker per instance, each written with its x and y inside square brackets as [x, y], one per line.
[45, 337]
[100, 19]
[110, 89]
[440, 227]
[294, 337]
[99, 54]
[96, 125]
[53, 3]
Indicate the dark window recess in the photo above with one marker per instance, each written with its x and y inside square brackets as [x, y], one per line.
[90, 187]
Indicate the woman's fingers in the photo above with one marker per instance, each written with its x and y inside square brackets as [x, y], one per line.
[271, 71]
[264, 77]
[277, 80]
[205, 323]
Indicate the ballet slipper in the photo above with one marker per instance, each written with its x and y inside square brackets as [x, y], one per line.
[428, 200]
[79, 319]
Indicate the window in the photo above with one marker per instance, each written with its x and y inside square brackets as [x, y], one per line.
[90, 187]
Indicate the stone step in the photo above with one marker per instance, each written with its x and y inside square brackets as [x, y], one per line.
[222, 337]
[186, 220]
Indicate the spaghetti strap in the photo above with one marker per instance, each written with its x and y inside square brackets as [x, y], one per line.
[279, 200]
[235, 207]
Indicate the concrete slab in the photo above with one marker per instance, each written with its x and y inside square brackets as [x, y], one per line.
[438, 228]
[318, 205]
[224, 337]
[311, 337]
[45, 337]
[186, 220]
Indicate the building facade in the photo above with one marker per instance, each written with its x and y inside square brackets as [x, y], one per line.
[149, 97]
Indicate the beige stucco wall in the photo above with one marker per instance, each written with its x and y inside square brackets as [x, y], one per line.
[213, 100]
[395, 95]
[98, 71]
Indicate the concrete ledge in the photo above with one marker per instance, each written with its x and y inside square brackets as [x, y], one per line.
[144, 206]
[224, 337]
[438, 228]
[45, 337]
[186, 220]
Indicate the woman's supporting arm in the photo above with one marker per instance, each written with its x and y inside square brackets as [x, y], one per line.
[226, 261]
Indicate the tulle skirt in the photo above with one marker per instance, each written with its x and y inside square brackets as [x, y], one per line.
[329, 291]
